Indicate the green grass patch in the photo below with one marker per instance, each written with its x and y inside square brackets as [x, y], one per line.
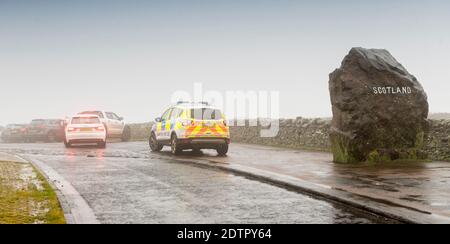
[26, 197]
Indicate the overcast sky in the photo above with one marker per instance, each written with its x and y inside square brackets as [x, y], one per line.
[59, 57]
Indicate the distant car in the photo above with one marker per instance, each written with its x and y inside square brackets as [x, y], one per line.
[191, 126]
[47, 130]
[14, 133]
[115, 125]
[85, 129]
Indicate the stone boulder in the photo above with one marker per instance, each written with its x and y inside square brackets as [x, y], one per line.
[379, 109]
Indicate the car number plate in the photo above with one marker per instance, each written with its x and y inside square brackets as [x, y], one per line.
[208, 125]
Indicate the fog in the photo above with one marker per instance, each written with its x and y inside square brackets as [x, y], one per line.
[60, 57]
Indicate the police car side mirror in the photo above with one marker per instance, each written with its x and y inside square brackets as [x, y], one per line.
[158, 119]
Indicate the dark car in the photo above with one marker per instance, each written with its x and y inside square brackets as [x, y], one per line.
[14, 133]
[47, 130]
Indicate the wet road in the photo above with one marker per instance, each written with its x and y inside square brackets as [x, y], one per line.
[125, 183]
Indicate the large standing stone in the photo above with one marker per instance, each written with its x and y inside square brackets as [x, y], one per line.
[379, 109]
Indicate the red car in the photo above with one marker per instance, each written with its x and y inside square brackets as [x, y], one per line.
[14, 133]
[46, 130]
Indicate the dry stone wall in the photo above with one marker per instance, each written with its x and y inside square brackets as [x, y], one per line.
[313, 134]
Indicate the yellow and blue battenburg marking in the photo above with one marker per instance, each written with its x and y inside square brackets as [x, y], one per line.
[197, 128]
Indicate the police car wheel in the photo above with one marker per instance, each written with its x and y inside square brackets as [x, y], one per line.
[154, 145]
[222, 150]
[174, 145]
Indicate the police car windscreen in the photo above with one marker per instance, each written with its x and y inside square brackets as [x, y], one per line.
[206, 114]
[85, 120]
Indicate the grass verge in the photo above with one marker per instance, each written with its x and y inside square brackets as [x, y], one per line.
[26, 197]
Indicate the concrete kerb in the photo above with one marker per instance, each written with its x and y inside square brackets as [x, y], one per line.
[76, 209]
[6, 157]
[379, 207]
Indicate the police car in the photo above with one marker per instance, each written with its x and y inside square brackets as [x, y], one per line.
[193, 126]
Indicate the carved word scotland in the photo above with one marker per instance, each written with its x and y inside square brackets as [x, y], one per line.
[382, 90]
